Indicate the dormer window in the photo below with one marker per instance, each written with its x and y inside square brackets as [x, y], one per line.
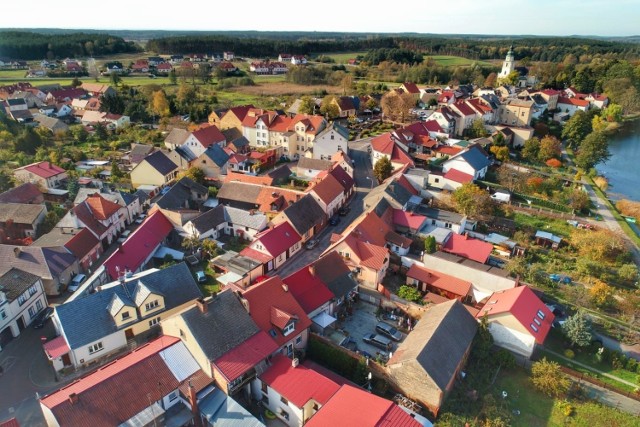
[151, 305]
[289, 329]
[541, 314]
[125, 315]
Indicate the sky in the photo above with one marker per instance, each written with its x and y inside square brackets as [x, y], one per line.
[508, 17]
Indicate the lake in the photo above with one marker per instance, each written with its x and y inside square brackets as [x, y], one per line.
[623, 168]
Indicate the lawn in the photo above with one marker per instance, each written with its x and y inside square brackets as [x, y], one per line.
[12, 74]
[456, 61]
[211, 285]
[555, 226]
[342, 58]
[66, 81]
[236, 98]
[536, 409]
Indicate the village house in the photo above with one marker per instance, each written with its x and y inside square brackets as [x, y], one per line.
[154, 170]
[203, 138]
[225, 220]
[329, 141]
[368, 261]
[274, 246]
[309, 169]
[18, 220]
[214, 162]
[44, 174]
[346, 107]
[569, 106]
[306, 216]
[78, 241]
[121, 313]
[329, 193]
[22, 297]
[467, 247]
[439, 283]
[472, 161]
[129, 203]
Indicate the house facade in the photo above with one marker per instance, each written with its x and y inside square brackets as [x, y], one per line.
[44, 174]
[155, 170]
[329, 141]
[277, 245]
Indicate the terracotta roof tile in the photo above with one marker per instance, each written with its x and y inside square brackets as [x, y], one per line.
[278, 239]
[328, 189]
[101, 208]
[439, 280]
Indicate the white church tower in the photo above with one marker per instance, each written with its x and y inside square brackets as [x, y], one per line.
[509, 64]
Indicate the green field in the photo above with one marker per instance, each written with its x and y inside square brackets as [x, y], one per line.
[236, 98]
[66, 81]
[268, 79]
[342, 58]
[12, 74]
[456, 61]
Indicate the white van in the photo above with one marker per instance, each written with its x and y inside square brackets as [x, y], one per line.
[76, 282]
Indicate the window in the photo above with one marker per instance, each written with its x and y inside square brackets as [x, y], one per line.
[534, 327]
[173, 396]
[284, 414]
[39, 305]
[537, 322]
[3, 315]
[264, 387]
[284, 400]
[182, 333]
[154, 322]
[288, 329]
[33, 290]
[95, 347]
[332, 136]
[298, 340]
[151, 305]
[32, 312]
[437, 180]
[23, 298]
[125, 315]
[541, 314]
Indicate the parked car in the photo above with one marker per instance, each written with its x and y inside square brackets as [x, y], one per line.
[42, 317]
[201, 277]
[388, 331]
[124, 236]
[343, 211]
[312, 243]
[560, 278]
[335, 220]
[379, 341]
[76, 282]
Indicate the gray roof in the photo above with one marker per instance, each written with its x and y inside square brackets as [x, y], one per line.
[304, 214]
[177, 136]
[161, 163]
[224, 326]
[314, 164]
[179, 195]
[20, 213]
[240, 192]
[255, 220]
[335, 274]
[441, 215]
[333, 126]
[209, 219]
[236, 263]
[435, 348]
[175, 283]
[217, 155]
[51, 123]
[235, 135]
[15, 282]
[548, 236]
[46, 263]
[395, 194]
[476, 157]
[57, 237]
[418, 172]
[141, 195]
[221, 410]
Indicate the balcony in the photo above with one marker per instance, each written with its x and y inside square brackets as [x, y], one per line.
[241, 381]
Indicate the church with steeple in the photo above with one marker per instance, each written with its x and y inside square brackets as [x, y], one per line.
[509, 64]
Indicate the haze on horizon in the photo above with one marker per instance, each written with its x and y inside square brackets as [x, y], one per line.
[496, 17]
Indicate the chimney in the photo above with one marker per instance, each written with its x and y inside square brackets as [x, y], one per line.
[74, 398]
[202, 305]
[17, 251]
[193, 400]
[312, 270]
[285, 287]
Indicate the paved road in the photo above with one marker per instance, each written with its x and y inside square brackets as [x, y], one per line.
[611, 398]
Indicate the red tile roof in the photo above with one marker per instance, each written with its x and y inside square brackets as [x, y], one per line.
[256, 255]
[411, 87]
[82, 243]
[308, 289]
[398, 155]
[457, 176]
[439, 280]
[240, 111]
[246, 356]
[328, 189]
[351, 406]
[44, 169]
[56, 347]
[448, 150]
[282, 199]
[118, 369]
[479, 106]
[383, 143]
[279, 238]
[101, 208]
[524, 305]
[313, 123]
[209, 135]
[140, 244]
[464, 109]
[551, 92]
[12, 422]
[408, 219]
[573, 101]
[300, 384]
[425, 141]
[433, 126]
[343, 178]
[467, 247]
[251, 179]
[446, 96]
[370, 255]
[271, 304]
[26, 193]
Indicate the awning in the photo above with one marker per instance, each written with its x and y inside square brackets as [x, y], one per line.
[56, 347]
[164, 251]
[229, 277]
[479, 295]
[144, 417]
[323, 319]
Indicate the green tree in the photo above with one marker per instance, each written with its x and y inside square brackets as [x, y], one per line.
[191, 243]
[204, 72]
[531, 149]
[577, 128]
[612, 113]
[498, 140]
[430, 244]
[472, 200]
[593, 150]
[628, 273]
[50, 221]
[76, 82]
[548, 378]
[577, 329]
[209, 248]
[115, 79]
[28, 141]
[116, 172]
[382, 169]
[72, 187]
[79, 133]
[598, 124]
[328, 108]
[501, 153]
[550, 148]
[173, 78]
[5, 181]
[196, 174]
[477, 129]
[409, 293]
[307, 105]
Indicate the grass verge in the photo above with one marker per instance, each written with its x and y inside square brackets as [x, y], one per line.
[623, 224]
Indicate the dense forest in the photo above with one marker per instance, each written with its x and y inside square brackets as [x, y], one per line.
[28, 46]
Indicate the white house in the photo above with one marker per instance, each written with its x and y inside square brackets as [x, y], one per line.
[225, 220]
[329, 141]
[22, 297]
[473, 161]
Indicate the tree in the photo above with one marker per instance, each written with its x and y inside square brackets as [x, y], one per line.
[112, 104]
[382, 169]
[531, 149]
[115, 79]
[512, 179]
[491, 80]
[50, 221]
[72, 187]
[498, 140]
[409, 293]
[549, 379]
[601, 294]
[5, 181]
[192, 243]
[204, 72]
[186, 96]
[307, 105]
[472, 200]
[195, 174]
[577, 329]
[159, 104]
[511, 79]
[76, 82]
[628, 273]
[598, 124]
[209, 248]
[430, 244]
[579, 200]
[477, 129]
[396, 105]
[501, 153]
[577, 128]
[329, 107]
[116, 172]
[173, 78]
[593, 150]
[550, 148]
[597, 245]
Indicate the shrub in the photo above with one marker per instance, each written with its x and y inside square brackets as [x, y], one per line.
[601, 182]
[566, 408]
[568, 353]
[554, 163]
[409, 293]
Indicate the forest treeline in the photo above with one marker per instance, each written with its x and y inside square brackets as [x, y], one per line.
[28, 46]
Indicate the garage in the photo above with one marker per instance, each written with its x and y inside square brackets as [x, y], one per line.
[5, 336]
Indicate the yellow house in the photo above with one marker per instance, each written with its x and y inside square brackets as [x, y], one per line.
[515, 112]
[156, 169]
[231, 118]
